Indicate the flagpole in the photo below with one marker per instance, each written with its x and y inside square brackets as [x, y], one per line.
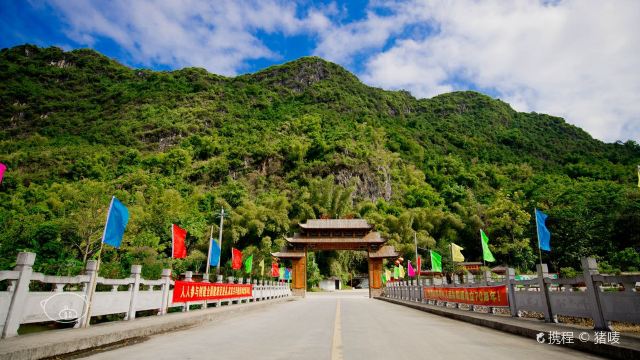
[482, 247]
[535, 214]
[92, 289]
[220, 240]
[172, 241]
[415, 242]
[208, 265]
[453, 264]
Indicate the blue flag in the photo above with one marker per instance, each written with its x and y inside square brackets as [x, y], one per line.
[544, 236]
[214, 257]
[117, 220]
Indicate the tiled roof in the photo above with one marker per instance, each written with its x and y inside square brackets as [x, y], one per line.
[386, 251]
[288, 254]
[336, 224]
[372, 237]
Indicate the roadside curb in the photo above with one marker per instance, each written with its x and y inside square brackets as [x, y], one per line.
[56, 343]
[628, 348]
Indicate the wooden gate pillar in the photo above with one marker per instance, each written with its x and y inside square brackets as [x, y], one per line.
[299, 276]
[375, 277]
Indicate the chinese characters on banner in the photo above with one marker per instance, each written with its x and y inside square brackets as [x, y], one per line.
[485, 295]
[184, 291]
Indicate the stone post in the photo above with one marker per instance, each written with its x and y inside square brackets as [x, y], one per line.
[243, 281]
[135, 288]
[543, 272]
[188, 275]
[590, 268]
[254, 290]
[511, 288]
[91, 270]
[468, 278]
[219, 280]
[166, 289]
[24, 265]
[230, 280]
[486, 277]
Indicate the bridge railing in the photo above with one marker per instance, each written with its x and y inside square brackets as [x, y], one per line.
[67, 300]
[600, 297]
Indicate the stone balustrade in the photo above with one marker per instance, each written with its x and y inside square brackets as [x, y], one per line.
[67, 301]
[602, 298]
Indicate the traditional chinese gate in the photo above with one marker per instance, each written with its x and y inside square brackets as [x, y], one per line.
[336, 234]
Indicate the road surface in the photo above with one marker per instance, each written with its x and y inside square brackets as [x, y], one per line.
[342, 325]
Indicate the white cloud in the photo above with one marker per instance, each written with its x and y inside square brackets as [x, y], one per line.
[576, 59]
[219, 35]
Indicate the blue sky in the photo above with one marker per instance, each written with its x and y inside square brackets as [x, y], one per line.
[576, 58]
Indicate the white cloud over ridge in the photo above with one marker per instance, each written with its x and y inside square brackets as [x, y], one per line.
[218, 35]
[576, 59]
[579, 59]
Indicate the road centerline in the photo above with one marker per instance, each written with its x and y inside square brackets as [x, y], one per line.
[336, 345]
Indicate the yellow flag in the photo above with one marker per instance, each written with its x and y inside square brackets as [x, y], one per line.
[401, 271]
[639, 176]
[387, 274]
[456, 253]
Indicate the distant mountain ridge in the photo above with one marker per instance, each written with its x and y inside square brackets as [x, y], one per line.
[306, 138]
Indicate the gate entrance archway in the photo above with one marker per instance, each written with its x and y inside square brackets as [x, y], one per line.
[336, 234]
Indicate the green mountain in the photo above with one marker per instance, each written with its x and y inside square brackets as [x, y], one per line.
[301, 140]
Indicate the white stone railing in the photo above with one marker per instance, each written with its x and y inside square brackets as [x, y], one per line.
[66, 302]
[603, 298]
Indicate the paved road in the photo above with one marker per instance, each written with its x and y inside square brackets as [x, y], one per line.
[344, 325]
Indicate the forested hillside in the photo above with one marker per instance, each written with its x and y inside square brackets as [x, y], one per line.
[301, 140]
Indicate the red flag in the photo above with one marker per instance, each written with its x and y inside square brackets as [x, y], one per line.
[275, 271]
[178, 235]
[236, 259]
[419, 265]
[3, 167]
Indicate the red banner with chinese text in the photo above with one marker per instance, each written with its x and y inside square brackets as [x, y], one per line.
[485, 295]
[184, 291]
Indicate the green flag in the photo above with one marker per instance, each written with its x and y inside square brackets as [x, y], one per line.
[396, 272]
[383, 278]
[436, 262]
[248, 264]
[262, 267]
[281, 273]
[486, 253]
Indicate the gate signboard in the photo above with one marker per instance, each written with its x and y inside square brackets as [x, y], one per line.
[483, 295]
